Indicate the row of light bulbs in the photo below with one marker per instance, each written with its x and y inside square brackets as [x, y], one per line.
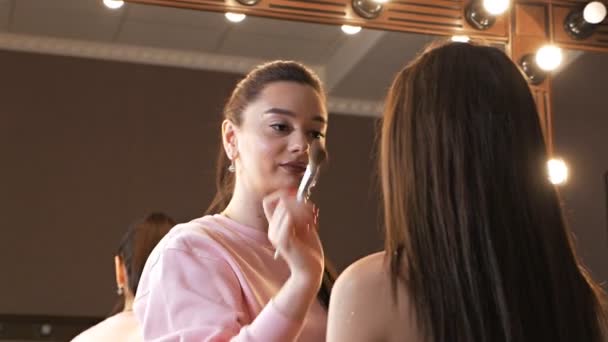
[481, 14]
[579, 24]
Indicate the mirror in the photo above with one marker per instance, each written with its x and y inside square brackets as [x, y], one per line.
[110, 114]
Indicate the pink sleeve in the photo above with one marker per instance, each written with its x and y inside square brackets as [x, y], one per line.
[187, 297]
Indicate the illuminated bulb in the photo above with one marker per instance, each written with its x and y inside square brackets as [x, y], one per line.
[113, 4]
[594, 12]
[349, 29]
[496, 7]
[549, 57]
[235, 17]
[46, 329]
[380, 1]
[558, 171]
[461, 39]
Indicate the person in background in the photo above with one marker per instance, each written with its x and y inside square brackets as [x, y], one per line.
[134, 248]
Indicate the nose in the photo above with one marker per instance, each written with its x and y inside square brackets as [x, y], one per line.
[299, 143]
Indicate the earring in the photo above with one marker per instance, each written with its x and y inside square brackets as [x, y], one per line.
[120, 290]
[233, 156]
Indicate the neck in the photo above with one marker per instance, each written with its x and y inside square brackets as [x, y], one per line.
[246, 208]
[128, 303]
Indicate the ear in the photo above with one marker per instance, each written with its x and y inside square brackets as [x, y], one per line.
[229, 139]
[121, 273]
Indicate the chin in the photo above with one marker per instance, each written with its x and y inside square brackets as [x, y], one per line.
[289, 184]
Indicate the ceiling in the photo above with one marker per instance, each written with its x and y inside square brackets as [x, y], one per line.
[357, 69]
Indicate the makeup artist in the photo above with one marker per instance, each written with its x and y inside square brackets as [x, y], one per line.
[215, 278]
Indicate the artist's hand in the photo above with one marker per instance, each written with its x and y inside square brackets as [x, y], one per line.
[293, 230]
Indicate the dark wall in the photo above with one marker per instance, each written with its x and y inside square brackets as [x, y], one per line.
[581, 138]
[348, 193]
[88, 146]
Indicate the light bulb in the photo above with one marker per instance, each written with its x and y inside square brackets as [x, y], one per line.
[113, 4]
[496, 7]
[461, 38]
[380, 1]
[235, 17]
[549, 57]
[349, 29]
[594, 12]
[558, 171]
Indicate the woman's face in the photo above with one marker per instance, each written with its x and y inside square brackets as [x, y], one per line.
[273, 140]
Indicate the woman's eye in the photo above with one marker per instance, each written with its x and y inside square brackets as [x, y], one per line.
[279, 127]
[317, 135]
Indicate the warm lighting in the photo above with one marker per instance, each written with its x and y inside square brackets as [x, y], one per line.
[349, 29]
[594, 12]
[380, 1]
[368, 9]
[549, 57]
[536, 66]
[581, 23]
[235, 17]
[534, 73]
[496, 7]
[481, 14]
[248, 2]
[113, 4]
[558, 171]
[461, 39]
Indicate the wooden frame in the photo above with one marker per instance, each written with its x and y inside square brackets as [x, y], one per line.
[524, 28]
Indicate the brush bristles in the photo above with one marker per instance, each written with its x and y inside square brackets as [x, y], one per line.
[317, 154]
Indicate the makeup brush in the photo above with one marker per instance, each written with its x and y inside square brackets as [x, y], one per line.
[316, 156]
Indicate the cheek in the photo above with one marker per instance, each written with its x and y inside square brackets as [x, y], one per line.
[261, 150]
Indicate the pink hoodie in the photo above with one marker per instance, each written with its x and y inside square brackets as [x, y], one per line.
[212, 280]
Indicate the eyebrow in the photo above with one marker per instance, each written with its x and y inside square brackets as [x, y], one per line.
[287, 112]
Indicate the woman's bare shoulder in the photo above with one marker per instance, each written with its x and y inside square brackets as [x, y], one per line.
[363, 305]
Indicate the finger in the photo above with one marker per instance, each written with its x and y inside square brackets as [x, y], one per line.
[281, 232]
[285, 233]
[313, 240]
[269, 203]
[301, 213]
[275, 223]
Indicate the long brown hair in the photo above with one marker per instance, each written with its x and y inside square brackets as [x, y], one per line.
[245, 92]
[474, 229]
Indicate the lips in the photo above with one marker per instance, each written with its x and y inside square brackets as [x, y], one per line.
[294, 167]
